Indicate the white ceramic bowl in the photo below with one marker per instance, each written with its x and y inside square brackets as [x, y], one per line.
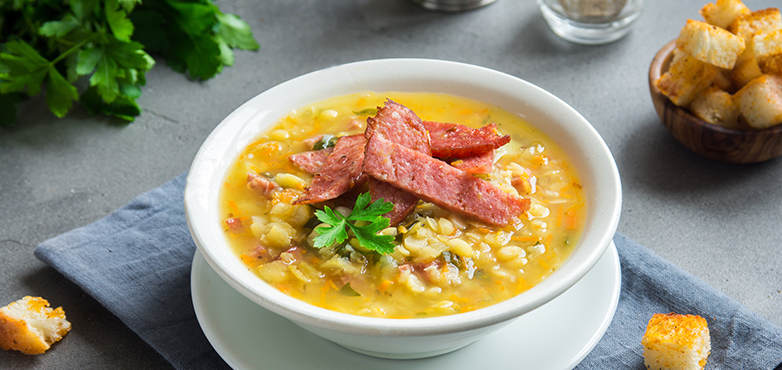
[404, 338]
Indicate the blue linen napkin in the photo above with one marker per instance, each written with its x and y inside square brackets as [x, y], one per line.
[136, 262]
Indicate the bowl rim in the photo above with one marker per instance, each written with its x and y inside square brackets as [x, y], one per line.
[659, 66]
[470, 81]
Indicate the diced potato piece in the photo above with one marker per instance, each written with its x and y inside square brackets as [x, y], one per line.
[279, 235]
[279, 135]
[300, 215]
[280, 209]
[274, 272]
[298, 274]
[710, 44]
[760, 101]
[723, 12]
[768, 51]
[290, 181]
[685, 79]
[716, 106]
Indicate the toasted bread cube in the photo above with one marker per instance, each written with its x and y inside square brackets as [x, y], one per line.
[760, 101]
[744, 72]
[768, 51]
[723, 82]
[717, 107]
[723, 12]
[761, 21]
[685, 79]
[758, 22]
[29, 325]
[710, 44]
[772, 64]
[676, 342]
[678, 54]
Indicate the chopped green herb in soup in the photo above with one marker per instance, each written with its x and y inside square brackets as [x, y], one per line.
[402, 205]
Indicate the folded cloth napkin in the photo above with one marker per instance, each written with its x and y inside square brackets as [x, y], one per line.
[136, 262]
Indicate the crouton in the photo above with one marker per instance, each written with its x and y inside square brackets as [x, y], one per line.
[744, 72]
[717, 107]
[710, 44]
[677, 55]
[676, 342]
[685, 79]
[758, 22]
[723, 81]
[760, 101]
[768, 51]
[723, 12]
[29, 325]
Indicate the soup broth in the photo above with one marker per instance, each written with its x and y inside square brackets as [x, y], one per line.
[443, 262]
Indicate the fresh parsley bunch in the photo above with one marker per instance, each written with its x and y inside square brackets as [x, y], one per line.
[366, 234]
[105, 43]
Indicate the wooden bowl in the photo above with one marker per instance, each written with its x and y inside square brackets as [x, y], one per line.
[709, 140]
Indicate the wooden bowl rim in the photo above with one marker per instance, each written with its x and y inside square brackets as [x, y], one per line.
[660, 64]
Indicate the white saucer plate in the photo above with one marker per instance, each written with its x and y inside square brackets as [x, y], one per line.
[555, 336]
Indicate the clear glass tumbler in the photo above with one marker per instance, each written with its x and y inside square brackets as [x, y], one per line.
[591, 22]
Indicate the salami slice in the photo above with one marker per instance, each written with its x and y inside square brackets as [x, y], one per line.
[477, 164]
[340, 172]
[311, 162]
[435, 181]
[397, 123]
[451, 140]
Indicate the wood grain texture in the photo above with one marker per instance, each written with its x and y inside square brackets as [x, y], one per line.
[709, 140]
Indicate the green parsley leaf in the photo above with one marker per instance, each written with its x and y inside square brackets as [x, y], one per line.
[83, 9]
[366, 235]
[50, 44]
[363, 211]
[349, 291]
[122, 107]
[59, 28]
[335, 234]
[366, 112]
[368, 238]
[118, 20]
[327, 141]
[235, 32]
[149, 29]
[25, 68]
[129, 5]
[60, 94]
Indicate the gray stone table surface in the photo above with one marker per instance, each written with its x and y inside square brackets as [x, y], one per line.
[721, 222]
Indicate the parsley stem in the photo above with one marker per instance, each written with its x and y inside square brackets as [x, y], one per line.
[69, 51]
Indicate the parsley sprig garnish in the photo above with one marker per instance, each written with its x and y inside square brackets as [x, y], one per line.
[367, 235]
[56, 44]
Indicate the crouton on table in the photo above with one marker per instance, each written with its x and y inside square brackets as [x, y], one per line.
[676, 342]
